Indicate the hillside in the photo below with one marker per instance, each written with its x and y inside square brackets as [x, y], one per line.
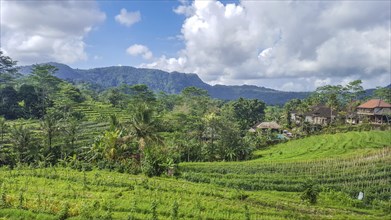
[349, 162]
[266, 188]
[171, 83]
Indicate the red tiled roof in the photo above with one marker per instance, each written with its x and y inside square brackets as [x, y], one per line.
[375, 103]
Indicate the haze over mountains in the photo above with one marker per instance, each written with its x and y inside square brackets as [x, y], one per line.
[172, 83]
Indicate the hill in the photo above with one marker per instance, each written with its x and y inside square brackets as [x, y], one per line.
[348, 162]
[266, 188]
[172, 83]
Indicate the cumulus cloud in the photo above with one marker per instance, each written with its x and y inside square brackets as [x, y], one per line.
[258, 41]
[47, 30]
[139, 50]
[185, 8]
[128, 18]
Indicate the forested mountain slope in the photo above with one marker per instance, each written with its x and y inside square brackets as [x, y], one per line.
[172, 83]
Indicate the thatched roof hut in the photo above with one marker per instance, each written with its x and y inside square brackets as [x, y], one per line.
[266, 125]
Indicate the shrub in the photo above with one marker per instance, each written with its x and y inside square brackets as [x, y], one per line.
[310, 192]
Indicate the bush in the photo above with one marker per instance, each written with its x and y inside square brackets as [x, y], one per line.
[310, 192]
[157, 161]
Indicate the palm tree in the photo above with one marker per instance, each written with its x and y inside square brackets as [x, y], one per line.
[3, 127]
[49, 126]
[22, 140]
[144, 127]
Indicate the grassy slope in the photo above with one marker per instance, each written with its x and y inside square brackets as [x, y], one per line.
[349, 162]
[100, 194]
[327, 146]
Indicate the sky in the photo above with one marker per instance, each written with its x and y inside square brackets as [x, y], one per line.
[284, 45]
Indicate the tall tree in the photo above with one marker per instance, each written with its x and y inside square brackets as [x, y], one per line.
[211, 135]
[49, 126]
[138, 93]
[273, 113]
[247, 112]
[9, 106]
[66, 97]
[24, 144]
[71, 131]
[383, 93]
[354, 90]
[3, 127]
[8, 69]
[115, 97]
[195, 101]
[28, 94]
[44, 79]
[290, 107]
[331, 96]
[144, 127]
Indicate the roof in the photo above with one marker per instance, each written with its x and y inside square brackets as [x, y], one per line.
[321, 111]
[375, 103]
[271, 125]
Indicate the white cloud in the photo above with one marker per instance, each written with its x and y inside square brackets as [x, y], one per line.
[303, 39]
[34, 32]
[266, 53]
[128, 18]
[185, 8]
[138, 49]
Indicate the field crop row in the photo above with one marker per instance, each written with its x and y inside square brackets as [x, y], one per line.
[48, 193]
[351, 171]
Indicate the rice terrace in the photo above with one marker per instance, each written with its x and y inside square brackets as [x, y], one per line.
[256, 189]
[195, 109]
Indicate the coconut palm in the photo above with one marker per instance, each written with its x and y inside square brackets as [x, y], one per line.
[144, 127]
[23, 143]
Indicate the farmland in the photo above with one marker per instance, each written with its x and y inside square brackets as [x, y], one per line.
[268, 187]
[349, 162]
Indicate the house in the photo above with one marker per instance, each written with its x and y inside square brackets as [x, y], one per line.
[375, 111]
[296, 117]
[320, 114]
[273, 126]
[351, 116]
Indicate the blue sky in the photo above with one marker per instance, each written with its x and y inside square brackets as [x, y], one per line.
[158, 28]
[285, 45]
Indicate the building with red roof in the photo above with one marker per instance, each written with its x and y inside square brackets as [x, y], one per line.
[375, 111]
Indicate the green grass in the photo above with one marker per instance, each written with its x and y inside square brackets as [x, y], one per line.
[349, 162]
[327, 146]
[102, 194]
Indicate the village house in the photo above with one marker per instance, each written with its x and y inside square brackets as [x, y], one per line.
[374, 111]
[296, 117]
[321, 115]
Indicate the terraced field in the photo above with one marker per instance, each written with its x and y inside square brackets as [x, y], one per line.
[95, 122]
[268, 187]
[59, 193]
[351, 162]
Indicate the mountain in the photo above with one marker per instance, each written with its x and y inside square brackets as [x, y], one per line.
[64, 71]
[172, 83]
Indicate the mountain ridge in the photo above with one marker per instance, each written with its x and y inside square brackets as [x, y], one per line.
[168, 82]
